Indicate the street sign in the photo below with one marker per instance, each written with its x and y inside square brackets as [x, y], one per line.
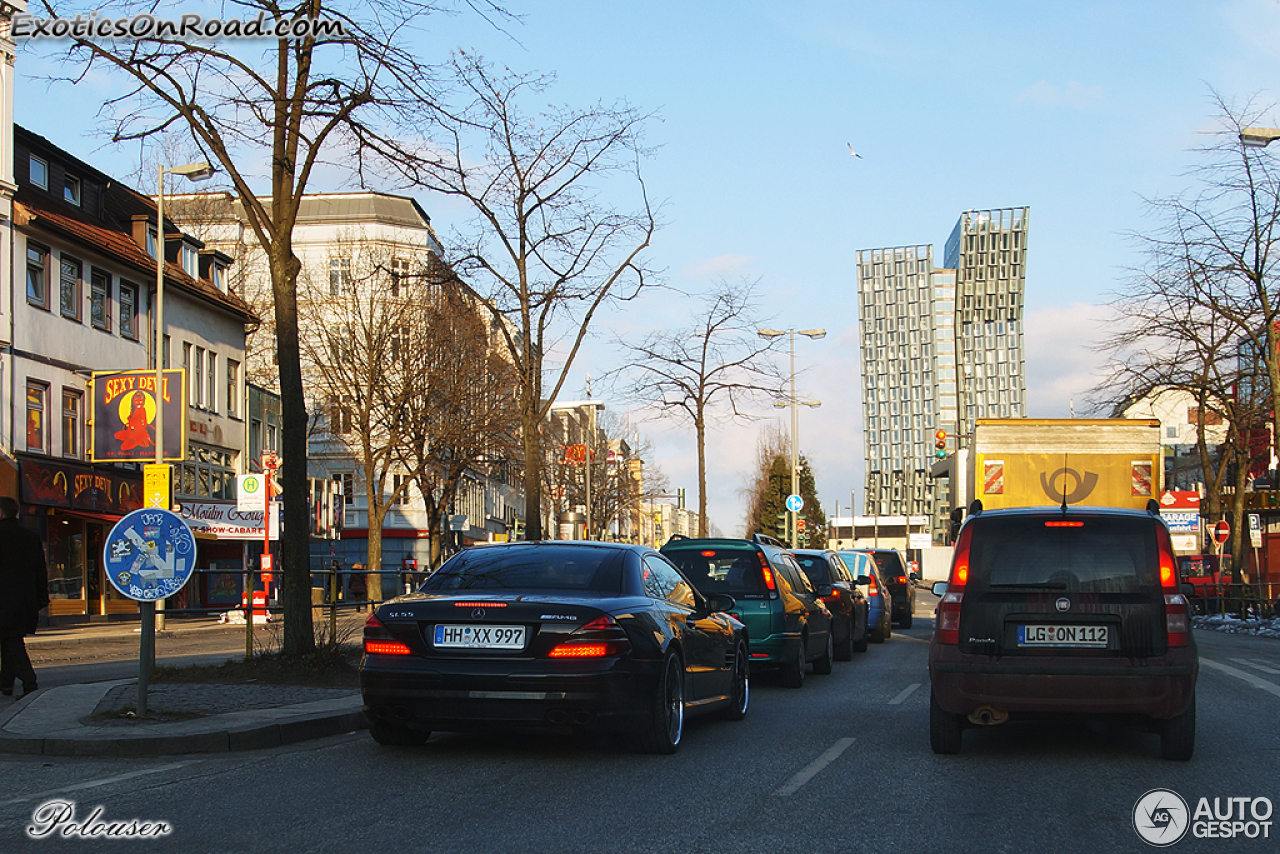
[795, 503]
[251, 492]
[149, 555]
[1222, 532]
[1255, 531]
[157, 479]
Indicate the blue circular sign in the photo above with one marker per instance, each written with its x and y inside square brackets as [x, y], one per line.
[794, 503]
[150, 554]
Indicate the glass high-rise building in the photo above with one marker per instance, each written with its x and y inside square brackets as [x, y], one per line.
[941, 346]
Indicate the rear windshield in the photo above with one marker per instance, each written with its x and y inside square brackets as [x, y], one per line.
[814, 566]
[732, 571]
[1099, 555]
[531, 568]
[889, 564]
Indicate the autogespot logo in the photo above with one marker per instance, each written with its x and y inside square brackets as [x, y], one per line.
[1160, 817]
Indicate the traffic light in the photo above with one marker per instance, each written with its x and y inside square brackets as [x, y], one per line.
[940, 444]
[800, 525]
[781, 525]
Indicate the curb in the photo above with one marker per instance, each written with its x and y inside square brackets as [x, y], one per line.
[254, 737]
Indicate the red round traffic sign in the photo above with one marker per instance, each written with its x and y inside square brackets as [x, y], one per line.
[1221, 532]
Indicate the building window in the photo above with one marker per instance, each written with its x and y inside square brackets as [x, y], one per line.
[37, 275]
[233, 387]
[152, 240]
[399, 274]
[339, 275]
[212, 375]
[197, 386]
[186, 367]
[39, 172]
[71, 189]
[272, 443]
[190, 261]
[37, 396]
[165, 352]
[69, 288]
[340, 415]
[100, 300]
[218, 275]
[129, 310]
[72, 428]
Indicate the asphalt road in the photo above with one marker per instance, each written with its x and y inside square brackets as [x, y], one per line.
[842, 764]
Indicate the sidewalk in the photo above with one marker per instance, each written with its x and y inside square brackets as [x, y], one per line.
[60, 721]
[83, 720]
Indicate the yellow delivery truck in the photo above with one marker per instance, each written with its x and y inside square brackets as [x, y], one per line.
[1029, 462]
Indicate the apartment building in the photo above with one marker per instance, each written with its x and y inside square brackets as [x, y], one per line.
[941, 345]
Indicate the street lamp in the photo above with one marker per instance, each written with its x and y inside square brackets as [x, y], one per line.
[590, 406]
[1259, 137]
[193, 172]
[815, 334]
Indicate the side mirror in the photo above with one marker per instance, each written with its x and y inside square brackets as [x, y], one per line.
[721, 602]
[939, 588]
[863, 580]
[825, 589]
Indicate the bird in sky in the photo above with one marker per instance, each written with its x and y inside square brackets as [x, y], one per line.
[851, 151]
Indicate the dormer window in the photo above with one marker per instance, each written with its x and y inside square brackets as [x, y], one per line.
[151, 241]
[71, 189]
[38, 172]
[190, 261]
[218, 275]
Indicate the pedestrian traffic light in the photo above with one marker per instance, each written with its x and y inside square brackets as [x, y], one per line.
[940, 444]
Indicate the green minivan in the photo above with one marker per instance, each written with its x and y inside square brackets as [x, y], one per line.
[788, 624]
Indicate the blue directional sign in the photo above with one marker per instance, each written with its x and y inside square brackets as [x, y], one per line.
[795, 503]
[149, 555]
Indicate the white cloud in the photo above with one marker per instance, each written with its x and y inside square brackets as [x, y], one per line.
[1074, 95]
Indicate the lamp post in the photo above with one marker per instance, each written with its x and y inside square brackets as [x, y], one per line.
[147, 610]
[815, 334]
[590, 406]
[1259, 137]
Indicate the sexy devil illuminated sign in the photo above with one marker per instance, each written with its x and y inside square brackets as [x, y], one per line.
[124, 415]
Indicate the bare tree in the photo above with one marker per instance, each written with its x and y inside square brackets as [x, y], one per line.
[458, 421]
[1202, 314]
[707, 372]
[545, 254]
[289, 104]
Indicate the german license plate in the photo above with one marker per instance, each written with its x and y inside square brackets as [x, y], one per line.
[1069, 636]
[479, 637]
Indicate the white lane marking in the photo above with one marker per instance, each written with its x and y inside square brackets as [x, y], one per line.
[906, 692]
[93, 784]
[1256, 681]
[1256, 666]
[833, 753]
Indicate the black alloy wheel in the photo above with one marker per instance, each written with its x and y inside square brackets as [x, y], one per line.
[740, 689]
[667, 726]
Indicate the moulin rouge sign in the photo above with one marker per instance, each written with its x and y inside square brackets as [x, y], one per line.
[124, 415]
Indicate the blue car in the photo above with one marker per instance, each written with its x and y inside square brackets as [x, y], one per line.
[880, 616]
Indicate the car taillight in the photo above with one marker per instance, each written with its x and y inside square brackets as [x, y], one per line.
[768, 574]
[1177, 614]
[872, 589]
[902, 579]
[949, 607]
[599, 638]
[378, 640]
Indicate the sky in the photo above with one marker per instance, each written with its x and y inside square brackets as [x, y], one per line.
[1079, 110]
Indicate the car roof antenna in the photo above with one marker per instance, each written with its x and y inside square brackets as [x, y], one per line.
[1064, 483]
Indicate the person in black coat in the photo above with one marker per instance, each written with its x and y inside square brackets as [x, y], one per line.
[24, 590]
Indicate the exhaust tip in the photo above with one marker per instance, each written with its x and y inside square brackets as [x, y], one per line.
[559, 717]
[401, 712]
[581, 718]
[988, 716]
